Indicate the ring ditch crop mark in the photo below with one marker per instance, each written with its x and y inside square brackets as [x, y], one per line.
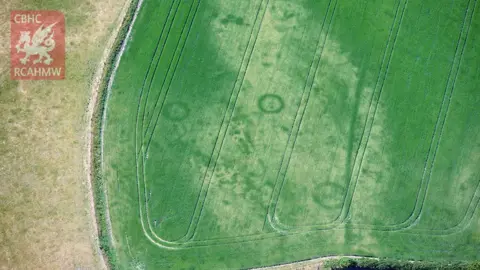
[156, 60]
[256, 237]
[474, 201]
[140, 148]
[177, 111]
[229, 111]
[158, 50]
[144, 155]
[373, 104]
[375, 97]
[141, 109]
[252, 30]
[140, 163]
[174, 61]
[271, 103]
[326, 27]
[318, 48]
[141, 94]
[328, 204]
[171, 61]
[277, 67]
[163, 102]
[155, 235]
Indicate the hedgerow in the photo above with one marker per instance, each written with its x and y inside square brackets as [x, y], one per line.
[390, 264]
[105, 241]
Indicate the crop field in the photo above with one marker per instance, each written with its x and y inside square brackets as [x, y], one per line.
[243, 134]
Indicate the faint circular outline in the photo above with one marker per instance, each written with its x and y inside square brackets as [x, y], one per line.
[170, 114]
[332, 205]
[273, 97]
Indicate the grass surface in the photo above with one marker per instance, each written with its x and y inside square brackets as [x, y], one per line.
[45, 219]
[249, 133]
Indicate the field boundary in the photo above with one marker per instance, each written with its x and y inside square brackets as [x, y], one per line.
[319, 260]
[96, 112]
[369, 262]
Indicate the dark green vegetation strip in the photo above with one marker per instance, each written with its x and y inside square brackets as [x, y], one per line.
[390, 264]
[98, 180]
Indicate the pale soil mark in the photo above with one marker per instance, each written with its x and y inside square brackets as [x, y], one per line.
[314, 264]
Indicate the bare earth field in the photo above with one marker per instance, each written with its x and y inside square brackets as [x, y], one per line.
[45, 215]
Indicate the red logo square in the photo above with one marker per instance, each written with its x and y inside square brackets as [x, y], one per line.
[37, 45]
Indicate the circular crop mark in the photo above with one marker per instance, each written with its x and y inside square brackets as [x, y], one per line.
[270, 103]
[332, 201]
[176, 111]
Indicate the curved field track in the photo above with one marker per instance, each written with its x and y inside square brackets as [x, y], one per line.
[241, 134]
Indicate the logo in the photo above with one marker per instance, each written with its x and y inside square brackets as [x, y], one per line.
[37, 45]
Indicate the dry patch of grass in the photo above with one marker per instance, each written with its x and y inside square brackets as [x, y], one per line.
[45, 220]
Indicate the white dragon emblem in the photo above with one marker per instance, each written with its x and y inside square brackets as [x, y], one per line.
[41, 43]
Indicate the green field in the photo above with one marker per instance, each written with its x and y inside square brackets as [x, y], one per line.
[251, 133]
